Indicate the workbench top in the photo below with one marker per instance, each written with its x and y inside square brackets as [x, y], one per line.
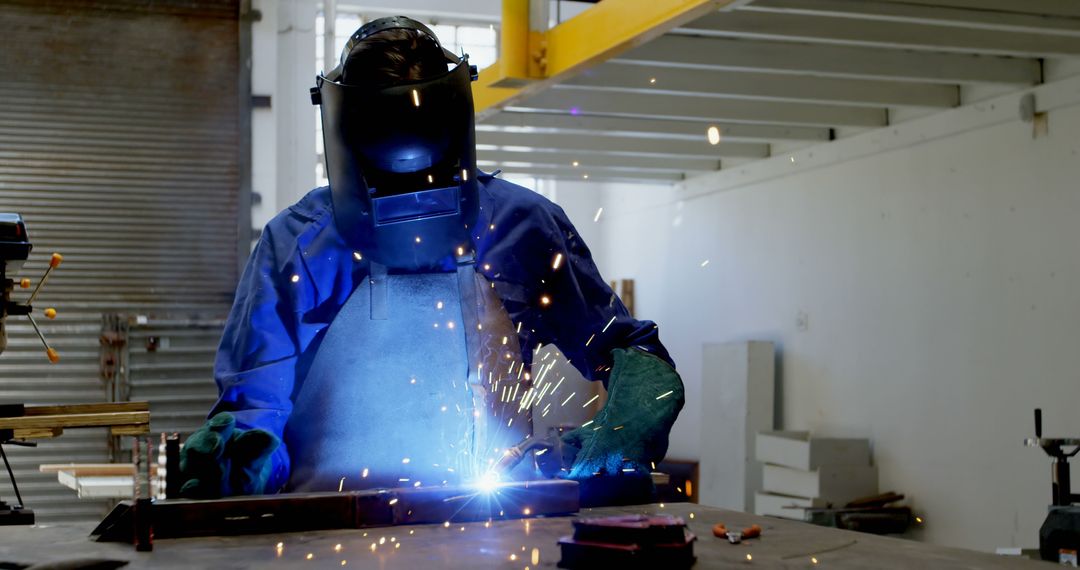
[509, 544]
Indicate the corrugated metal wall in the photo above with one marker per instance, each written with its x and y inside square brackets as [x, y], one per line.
[120, 143]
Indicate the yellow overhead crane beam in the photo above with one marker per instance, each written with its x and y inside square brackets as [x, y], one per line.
[531, 60]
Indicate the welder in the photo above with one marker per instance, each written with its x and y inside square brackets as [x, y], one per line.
[384, 330]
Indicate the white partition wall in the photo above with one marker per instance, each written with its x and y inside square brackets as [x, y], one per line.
[737, 390]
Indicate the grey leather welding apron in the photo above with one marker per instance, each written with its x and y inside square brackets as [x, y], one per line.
[417, 382]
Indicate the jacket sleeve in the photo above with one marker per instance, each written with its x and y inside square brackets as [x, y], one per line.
[256, 361]
[567, 303]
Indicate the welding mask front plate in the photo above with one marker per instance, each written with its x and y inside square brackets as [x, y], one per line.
[401, 161]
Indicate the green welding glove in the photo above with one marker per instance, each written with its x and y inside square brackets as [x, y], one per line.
[221, 460]
[645, 395]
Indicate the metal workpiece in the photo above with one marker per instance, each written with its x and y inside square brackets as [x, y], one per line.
[295, 512]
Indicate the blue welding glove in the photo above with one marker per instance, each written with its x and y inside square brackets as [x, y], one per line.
[220, 460]
[645, 395]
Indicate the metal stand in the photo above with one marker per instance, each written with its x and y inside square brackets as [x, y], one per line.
[1061, 529]
[10, 514]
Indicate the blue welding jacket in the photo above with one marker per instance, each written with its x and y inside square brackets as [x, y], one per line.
[301, 273]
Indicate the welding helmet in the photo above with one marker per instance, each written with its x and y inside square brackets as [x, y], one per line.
[401, 158]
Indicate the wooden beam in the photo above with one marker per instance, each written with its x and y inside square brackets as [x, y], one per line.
[584, 101]
[766, 86]
[834, 61]
[978, 18]
[104, 407]
[878, 34]
[577, 161]
[600, 144]
[659, 128]
[593, 36]
[77, 421]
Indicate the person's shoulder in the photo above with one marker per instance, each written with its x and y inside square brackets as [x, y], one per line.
[297, 218]
[513, 201]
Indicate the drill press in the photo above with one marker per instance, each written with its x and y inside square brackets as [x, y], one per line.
[1059, 536]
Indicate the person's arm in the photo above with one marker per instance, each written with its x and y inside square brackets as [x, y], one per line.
[256, 361]
[589, 323]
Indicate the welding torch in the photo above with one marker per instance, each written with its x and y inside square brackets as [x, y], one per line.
[513, 455]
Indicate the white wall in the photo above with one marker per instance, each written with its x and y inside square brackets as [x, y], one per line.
[941, 286]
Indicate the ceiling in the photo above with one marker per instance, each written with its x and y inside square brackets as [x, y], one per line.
[772, 76]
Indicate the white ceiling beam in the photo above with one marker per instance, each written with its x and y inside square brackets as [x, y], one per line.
[834, 61]
[592, 174]
[568, 160]
[617, 145]
[903, 12]
[841, 31]
[1069, 8]
[656, 128]
[767, 86]
[572, 100]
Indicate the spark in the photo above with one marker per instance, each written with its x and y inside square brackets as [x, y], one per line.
[416, 484]
[412, 532]
[689, 488]
[617, 428]
[462, 529]
[704, 263]
[596, 218]
[439, 305]
[557, 384]
[356, 255]
[542, 451]
[813, 560]
[341, 484]
[415, 98]
[343, 562]
[464, 174]
[393, 501]
[460, 251]
[505, 340]
[691, 515]
[585, 177]
[487, 267]
[526, 511]
[568, 398]
[487, 524]
[604, 330]
[557, 261]
[430, 179]
[574, 164]
[364, 473]
[337, 547]
[446, 524]
[295, 278]
[591, 400]
[513, 557]
[749, 557]
[535, 556]
[661, 505]
[450, 325]
[545, 300]
[374, 546]
[652, 81]
[405, 460]
[417, 239]
[587, 423]
[310, 555]
[397, 545]
[590, 339]
[665, 394]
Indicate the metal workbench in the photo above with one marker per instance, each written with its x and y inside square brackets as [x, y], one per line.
[501, 544]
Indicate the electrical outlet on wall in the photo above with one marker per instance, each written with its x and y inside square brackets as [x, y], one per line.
[802, 321]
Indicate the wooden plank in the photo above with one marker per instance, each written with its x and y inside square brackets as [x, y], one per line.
[99, 408]
[130, 430]
[37, 433]
[77, 420]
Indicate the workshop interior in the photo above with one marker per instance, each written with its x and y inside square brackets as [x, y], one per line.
[539, 283]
